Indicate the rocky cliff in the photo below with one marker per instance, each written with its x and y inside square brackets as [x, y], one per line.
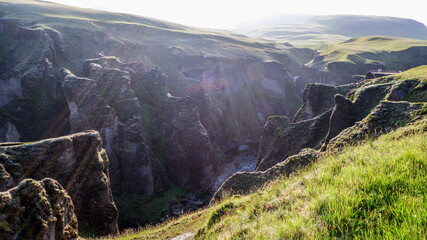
[378, 106]
[78, 163]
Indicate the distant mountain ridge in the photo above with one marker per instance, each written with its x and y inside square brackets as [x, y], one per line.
[322, 30]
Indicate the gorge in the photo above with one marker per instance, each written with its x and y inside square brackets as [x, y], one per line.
[123, 121]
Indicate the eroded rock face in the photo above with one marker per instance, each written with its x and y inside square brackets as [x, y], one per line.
[385, 117]
[136, 167]
[188, 153]
[246, 182]
[346, 112]
[30, 98]
[106, 92]
[78, 163]
[281, 139]
[37, 210]
[317, 99]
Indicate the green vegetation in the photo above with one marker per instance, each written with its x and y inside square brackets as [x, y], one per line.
[322, 31]
[372, 49]
[419, 73]
[371, 190]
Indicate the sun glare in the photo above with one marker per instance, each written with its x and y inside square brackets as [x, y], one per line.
[224, 14]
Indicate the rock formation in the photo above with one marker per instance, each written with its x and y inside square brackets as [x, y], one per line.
[134, 163]
[385, 117]
[368, 115]
[317, 99]
[246, 182]
[37, 210]
[31, 103]
[177, 132]
[78, 163]
[280, 138]
[346, 112]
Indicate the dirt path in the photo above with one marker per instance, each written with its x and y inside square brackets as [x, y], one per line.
[184, 236]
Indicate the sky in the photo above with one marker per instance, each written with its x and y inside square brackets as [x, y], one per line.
[227, 14]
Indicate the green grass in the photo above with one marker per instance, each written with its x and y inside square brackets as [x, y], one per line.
[322, 31]
[419, 73]
[371, 49]
[372, 190]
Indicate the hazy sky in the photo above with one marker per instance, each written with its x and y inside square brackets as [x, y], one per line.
[226, 14]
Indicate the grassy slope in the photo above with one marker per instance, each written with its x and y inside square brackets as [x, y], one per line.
[375, 189]
[366, 50]
[322, 31]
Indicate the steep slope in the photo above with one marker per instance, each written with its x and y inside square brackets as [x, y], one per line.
[321, 31]
[367, 184]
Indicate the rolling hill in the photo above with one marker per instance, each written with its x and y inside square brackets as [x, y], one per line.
[321, 31]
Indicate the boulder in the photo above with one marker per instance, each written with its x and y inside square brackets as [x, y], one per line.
[78, 163]
[37, 210]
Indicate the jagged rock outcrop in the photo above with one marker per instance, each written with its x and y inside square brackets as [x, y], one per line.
[135, 166]
[280, 138]
[31, 104]
[246, 182]
[385, 117]
[346, 112]
[78, 163]
[412, 90]
[37, 210]
[348, 122]
[177, 132]
[317, 99]
[343, 116]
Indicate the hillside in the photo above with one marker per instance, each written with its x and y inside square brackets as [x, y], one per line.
[322, 31]
[371, 49]
[347, 61]
[369, 188]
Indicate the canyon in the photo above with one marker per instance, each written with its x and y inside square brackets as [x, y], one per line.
[131, 120]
